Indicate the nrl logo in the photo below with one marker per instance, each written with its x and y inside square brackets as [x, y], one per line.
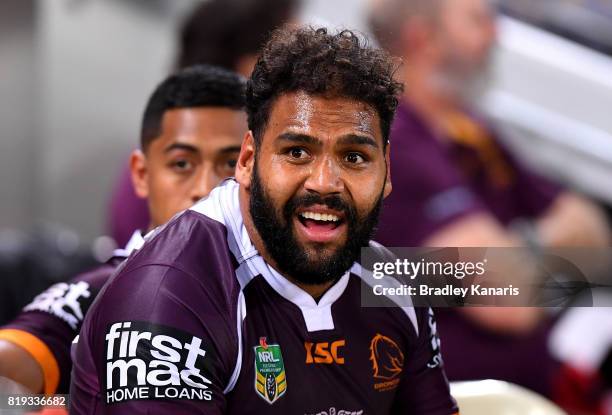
[270, 380]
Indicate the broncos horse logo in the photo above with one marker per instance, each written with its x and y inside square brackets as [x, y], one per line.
[386, 356]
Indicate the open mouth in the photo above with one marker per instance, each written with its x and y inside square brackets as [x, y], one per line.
[320, 225]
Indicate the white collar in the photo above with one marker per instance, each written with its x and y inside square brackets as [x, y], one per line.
[223, 205]
[136, 242]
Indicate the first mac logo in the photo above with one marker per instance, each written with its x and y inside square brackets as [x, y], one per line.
[151, 361]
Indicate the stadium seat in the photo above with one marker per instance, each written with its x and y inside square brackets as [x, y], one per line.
[486, 397]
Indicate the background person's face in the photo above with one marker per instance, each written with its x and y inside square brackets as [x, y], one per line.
[318, 182]
[196, 150]
[466, 34]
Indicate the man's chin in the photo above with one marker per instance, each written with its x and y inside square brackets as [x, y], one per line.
[318, 252]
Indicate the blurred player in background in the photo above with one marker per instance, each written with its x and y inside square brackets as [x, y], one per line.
[190, 140]
[455, 184]
[231, 33]
[249, 302]
[224, 33]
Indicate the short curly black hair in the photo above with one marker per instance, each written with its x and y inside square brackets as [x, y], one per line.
[319, 63]
[192, 87]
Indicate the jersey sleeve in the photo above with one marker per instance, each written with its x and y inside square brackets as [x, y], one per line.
[46, 327]
[424, 389]
[159, 341]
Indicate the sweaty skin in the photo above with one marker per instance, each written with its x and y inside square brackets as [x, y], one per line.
[317, 145]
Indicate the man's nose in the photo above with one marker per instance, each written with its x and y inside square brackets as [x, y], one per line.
[205, 182]
[325, 177]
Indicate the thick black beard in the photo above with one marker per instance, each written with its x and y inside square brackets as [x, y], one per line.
[276, 231]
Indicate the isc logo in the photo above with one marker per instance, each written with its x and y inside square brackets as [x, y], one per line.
[324, 353]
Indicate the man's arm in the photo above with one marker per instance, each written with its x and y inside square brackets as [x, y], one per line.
[424, 388]
[479, 229]
[35, 346]
[20, 366]
[570, 221]
[158, 340]
[483, 230]
[573, 220]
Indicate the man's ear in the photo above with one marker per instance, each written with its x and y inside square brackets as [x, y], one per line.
[246, 161]
[139, 172]
[388, 186]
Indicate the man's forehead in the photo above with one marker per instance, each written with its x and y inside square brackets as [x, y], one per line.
[300, 111]
[197, 119]
[200, 128]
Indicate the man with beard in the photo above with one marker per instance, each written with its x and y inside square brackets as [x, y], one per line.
[249, 302]
[191, 133]
[459, 186]
[456, 185]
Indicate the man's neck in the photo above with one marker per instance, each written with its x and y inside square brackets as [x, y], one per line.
[315, 291]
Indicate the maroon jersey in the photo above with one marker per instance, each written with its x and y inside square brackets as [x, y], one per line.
[441, 178]
[197, 322]
[47, 326]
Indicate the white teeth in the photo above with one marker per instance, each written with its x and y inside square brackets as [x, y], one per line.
[325, 217]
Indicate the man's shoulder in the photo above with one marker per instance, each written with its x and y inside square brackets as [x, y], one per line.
[178, 296]
[378, 303]
[187, 261]
[66, 301]
[98, 276]
[191, 243]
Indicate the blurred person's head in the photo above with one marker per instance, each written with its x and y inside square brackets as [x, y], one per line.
[448, 42]
[230, 33]
[314, 166]
[190, 139]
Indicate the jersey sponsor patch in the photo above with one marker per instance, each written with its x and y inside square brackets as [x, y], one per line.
[270, 377]
[151, 361]
[65, 301]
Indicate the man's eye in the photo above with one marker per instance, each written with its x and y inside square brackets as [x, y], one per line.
[181, 165]
[354, 158]
[232, 163]
[298, 153]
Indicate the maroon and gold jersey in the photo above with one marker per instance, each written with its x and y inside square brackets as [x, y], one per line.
[47, 326]
[197, 322]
